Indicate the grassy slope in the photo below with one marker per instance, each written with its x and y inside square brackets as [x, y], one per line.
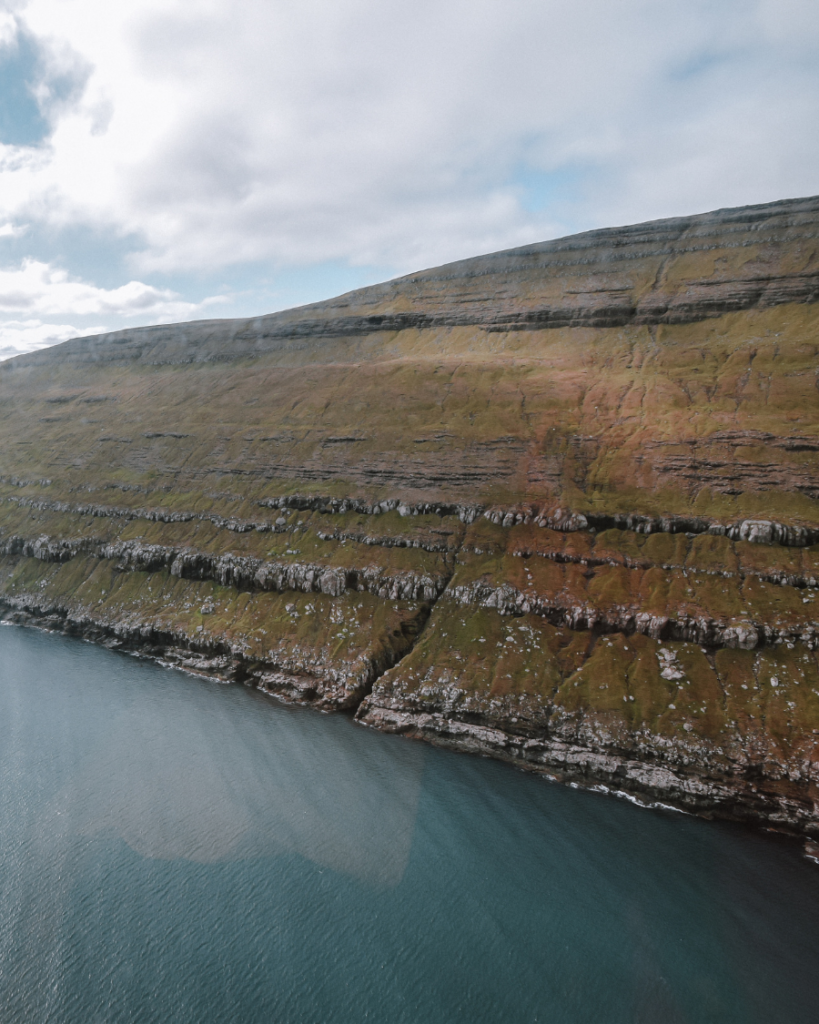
[717, 418]
[596, 419]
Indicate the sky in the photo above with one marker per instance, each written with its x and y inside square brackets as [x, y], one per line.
[167, 160]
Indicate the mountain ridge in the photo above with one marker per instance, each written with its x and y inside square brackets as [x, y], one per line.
[784, 221]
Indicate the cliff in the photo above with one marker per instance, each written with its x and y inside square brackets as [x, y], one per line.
[556, 504]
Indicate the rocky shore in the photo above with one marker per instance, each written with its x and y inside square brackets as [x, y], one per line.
[737, 777]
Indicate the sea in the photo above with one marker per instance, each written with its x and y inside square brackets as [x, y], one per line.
[178, 850]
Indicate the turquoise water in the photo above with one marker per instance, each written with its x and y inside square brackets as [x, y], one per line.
[173, 850]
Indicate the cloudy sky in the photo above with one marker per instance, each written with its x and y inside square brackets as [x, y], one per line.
[164, 160]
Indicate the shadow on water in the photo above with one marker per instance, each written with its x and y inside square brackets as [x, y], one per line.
[172, 849]
[208, 778]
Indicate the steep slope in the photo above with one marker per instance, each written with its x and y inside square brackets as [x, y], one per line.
[556, 504]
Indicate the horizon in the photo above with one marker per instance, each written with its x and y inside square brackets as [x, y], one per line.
[167, 163]
[412, 273]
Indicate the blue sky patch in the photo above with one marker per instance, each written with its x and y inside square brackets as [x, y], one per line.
[559, 189]
[21, 121]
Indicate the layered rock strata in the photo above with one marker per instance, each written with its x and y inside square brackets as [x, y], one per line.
[557, 505]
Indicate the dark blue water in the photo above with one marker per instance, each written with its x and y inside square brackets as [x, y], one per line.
[173, 850]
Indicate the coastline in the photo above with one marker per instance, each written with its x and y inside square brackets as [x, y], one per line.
[650, 774]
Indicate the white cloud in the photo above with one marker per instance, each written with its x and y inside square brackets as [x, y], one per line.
[387, 133]
[19, 336]
[39, 291]
[48, 291]
[394, 133]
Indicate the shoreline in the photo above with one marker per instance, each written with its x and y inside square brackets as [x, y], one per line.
[645, 780]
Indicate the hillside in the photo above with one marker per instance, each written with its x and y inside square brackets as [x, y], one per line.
[558, 504]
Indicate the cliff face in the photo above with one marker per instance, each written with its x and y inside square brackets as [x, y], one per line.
[557, 504]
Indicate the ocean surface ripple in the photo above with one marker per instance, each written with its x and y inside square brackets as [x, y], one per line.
[177, 850]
